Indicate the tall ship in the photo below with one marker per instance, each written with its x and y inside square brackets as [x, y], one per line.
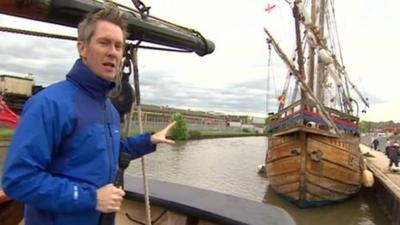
[313, 156]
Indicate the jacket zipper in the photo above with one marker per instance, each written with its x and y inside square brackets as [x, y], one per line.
[109, 147]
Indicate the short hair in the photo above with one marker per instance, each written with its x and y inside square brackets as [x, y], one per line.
[110, 12]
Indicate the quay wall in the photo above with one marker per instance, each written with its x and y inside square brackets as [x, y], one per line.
[386, 192]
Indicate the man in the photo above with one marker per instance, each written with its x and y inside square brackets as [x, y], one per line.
[392, 153]
[375, 143]
[63, 157]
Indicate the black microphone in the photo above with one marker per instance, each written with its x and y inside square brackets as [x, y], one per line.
[123, 162]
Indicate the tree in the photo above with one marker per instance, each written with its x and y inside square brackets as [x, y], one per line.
[179, 132]
[366, 126]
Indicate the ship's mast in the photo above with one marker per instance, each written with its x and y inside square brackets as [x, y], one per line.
[299, 49]
[311, 50]
[324, 114]
[320, 68]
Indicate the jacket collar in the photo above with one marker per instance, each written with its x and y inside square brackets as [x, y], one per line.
[92, 84]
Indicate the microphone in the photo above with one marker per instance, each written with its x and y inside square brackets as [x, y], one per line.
[124, 160]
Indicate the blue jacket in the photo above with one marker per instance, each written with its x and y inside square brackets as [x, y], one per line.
[66, 146]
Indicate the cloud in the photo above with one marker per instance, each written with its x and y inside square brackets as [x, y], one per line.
[47, 59]
[157, 89]
[389, 110]
[234, 78]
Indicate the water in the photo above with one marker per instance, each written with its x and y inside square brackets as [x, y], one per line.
[226, 165]
[229, 165]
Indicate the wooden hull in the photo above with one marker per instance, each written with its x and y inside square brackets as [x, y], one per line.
[313, 169]
[174, 204]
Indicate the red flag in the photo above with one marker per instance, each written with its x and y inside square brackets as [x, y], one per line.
[269, 8]
[7, 116]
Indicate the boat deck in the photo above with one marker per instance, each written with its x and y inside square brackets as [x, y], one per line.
[212, 206]
[387, 183]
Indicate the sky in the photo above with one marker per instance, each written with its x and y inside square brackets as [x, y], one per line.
[234, 78]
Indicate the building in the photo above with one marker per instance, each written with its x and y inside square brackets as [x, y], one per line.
[15, 90]
[158, 116]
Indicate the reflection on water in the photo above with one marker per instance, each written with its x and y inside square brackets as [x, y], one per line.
[229, 165]
[224, 165]
[362, 209]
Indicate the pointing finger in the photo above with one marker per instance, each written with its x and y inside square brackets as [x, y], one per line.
[170, 125]
[168, 141]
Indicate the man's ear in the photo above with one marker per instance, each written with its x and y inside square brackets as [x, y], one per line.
[81, 49]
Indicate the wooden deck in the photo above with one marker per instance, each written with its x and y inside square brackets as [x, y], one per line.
[387, 183]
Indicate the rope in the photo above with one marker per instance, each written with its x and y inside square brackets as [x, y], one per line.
[339, 46]
[139, 112]
[131, 64]
[72, 38]
[36, 33]
[268, 78]
[145, 180]
[297, 85]
[140, 222]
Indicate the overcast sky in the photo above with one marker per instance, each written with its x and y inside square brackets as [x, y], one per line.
[233, 79]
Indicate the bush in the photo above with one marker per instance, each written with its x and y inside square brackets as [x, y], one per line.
[179, 132]
[195, 134]
[246, 130]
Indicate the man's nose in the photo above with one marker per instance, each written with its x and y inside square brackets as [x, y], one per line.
[113, 51]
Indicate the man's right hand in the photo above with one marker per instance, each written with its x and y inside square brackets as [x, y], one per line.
[109, 198]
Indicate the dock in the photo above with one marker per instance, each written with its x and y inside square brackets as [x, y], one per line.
[387, 183]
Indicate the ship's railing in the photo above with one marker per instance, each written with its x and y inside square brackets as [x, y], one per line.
[304, 113]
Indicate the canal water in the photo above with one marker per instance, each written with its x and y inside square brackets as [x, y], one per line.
[229, 165]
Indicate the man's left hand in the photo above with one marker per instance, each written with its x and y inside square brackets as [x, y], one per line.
[161, 136]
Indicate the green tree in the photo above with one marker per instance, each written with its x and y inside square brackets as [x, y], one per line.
[366, 126]
[179, 132]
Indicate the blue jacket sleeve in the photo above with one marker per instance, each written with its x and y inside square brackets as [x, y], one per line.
[137, 146]
[26, 173]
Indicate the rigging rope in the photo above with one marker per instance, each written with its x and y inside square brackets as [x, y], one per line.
[134, 62]
[37, 33]
[346, 100]
[347, 89]
[72, 38]
[297, 85]
[131, 64]
[268, 77]
[336, 32]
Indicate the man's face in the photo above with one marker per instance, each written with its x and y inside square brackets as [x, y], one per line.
[103, 53]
